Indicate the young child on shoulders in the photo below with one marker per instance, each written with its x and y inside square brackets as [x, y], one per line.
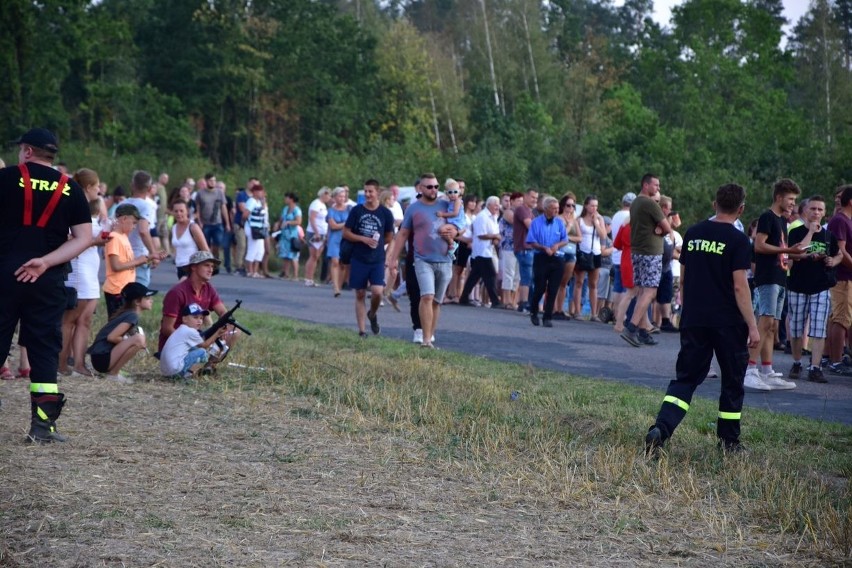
[185, 351]
[455, 215]
[121, 338]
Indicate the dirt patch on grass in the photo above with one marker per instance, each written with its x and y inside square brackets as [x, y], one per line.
[158, 474]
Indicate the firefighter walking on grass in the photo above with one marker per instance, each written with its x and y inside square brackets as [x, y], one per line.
[717, 318]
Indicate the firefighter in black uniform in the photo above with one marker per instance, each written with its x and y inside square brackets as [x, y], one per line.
[41, 207]
[717, 317]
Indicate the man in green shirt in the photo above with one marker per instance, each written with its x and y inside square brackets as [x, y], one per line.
[648, 224]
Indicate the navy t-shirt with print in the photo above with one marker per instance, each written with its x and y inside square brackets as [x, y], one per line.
[366, 223]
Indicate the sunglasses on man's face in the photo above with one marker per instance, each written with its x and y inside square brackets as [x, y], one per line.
[431, 186]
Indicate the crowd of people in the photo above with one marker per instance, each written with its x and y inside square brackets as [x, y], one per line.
[550, 257]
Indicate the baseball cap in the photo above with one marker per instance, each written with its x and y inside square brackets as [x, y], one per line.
[194, 310]
[628, 198]
[127, 209]
[39, 138]
[203, 256]
[135, 291]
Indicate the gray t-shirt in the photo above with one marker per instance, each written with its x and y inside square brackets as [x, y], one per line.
[423, 221]
[209, 205]
[147, 210]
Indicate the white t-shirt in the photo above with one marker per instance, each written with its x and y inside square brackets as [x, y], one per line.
[396, 210]
[484, 224]
[678, 244]
[320, 221]
[619, 219]
[176, 348]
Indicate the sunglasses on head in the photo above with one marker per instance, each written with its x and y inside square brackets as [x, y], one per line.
[431, 186]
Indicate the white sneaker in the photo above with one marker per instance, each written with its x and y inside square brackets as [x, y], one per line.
[121, 379]
[771, 373]
[418, 336]
[754, 381]
[777, 383]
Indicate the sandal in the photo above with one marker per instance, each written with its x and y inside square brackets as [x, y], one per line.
[6, 374]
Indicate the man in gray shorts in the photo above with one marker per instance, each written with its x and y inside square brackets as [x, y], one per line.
[432, 262]
[647, 227]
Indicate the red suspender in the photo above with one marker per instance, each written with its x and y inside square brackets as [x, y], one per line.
[28, 198]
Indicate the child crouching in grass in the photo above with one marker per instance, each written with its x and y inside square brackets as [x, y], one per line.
[121, 338]
[185, 351]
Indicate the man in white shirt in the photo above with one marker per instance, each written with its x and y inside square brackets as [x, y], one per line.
[486, 234]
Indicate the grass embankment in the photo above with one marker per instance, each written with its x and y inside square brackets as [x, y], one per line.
[571, 442]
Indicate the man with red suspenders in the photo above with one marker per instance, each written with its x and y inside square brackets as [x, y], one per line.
[40, 207]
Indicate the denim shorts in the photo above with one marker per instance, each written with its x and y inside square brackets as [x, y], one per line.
[525, 266]
[770, 300]
[617, 285]
[433, 278]
[195, 356]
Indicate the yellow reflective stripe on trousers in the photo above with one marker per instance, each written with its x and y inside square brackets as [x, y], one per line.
[44, 388]
[676, 401]
[730, 415]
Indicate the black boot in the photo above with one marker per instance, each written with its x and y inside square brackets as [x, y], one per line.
[46, 408]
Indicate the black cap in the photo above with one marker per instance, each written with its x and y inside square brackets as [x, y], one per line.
[40, 138]
[135, 291]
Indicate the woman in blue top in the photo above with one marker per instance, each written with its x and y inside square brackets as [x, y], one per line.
[337, 215]
[289, 224]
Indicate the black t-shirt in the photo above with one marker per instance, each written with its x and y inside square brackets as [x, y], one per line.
[771, 268]
[19, 243]
[364, 222]
[711, 252]
[809, 276]
[101, 346]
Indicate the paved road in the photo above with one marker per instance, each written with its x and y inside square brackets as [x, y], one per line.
[582, 348]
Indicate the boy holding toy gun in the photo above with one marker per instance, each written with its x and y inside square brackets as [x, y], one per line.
[196, 289]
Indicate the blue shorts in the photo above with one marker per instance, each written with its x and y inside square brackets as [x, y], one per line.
[360, 274]
[214, 234]
[617, 284]
[525, 266]
[770, 300]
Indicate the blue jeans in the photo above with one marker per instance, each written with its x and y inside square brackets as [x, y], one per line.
[525, 267]
[214, 234]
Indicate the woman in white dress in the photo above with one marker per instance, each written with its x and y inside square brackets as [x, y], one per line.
[187, 238]
[77, 322]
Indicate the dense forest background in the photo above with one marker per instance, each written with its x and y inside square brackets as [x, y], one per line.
[578, 95]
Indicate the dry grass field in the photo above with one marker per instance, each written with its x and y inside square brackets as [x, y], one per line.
[335, 451]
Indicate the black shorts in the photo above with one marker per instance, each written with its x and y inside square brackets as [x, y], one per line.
[462, 255]
[665, 291]
[100, 361]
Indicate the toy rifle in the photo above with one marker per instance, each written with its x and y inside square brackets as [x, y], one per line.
[225, 319]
